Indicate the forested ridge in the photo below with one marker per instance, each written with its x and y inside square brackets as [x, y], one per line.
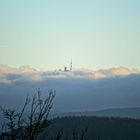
[94, 128]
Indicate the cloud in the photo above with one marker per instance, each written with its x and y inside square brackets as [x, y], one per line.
[78, 90]
[113, 72]
[25, 73]
[29, 74]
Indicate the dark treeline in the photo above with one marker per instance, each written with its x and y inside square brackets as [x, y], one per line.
[93, 128]
[31, 122]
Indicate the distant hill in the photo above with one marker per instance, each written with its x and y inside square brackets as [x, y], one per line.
[114, 112]
[94, 128]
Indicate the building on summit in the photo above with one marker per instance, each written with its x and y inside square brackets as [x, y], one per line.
[70, 69]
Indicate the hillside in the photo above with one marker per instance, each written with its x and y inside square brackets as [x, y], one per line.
[98, 128]
[114, 112]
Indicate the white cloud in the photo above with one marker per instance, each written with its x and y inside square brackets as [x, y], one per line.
[76, 90]
[10, 74]
[113, 72]
[26, 73]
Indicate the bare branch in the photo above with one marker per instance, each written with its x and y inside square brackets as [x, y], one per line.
[22, 127]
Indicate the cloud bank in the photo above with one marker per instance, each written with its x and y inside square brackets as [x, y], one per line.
[79, 90]
[26, 73]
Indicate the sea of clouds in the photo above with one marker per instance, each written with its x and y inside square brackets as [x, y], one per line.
[79, 90]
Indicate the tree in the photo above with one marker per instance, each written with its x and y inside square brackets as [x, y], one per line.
[30, 120]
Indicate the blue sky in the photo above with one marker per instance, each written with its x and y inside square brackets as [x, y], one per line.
[46, 34]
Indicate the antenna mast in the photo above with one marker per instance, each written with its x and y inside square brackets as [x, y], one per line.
[71, 65]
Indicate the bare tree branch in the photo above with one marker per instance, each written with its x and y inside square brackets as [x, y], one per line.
[19, 126]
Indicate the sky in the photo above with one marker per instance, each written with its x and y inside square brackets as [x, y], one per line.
[46, 34]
